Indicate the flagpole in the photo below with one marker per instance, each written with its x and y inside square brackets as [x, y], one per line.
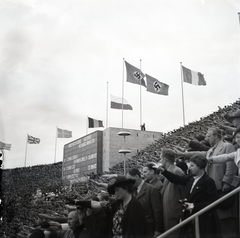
[55, 145]
[122, 90]
[140, 95]
[182, 94]
[107, 108]
[2, 159]
[26, 152]
[87, 126]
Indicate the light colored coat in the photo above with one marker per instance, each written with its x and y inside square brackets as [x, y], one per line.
[171, 193]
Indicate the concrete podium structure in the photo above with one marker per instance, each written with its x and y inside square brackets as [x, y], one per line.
[99, 150]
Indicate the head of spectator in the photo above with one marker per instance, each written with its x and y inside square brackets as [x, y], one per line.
[103, 196]
[135, 174]
[75, 218]
[200, 137]
[50, 233]
[183, 166]
[236, 136]
[149, 172]
[197, 164]
[122, 187]
[44, 224]
[214, 135]
[235, 119]
[167, 157]
[36, 233]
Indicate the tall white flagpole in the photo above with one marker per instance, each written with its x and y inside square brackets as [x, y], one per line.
[56, 145]
[140, 95]
[182, 94]
[26, 152]
[122, 89]
[107, 108]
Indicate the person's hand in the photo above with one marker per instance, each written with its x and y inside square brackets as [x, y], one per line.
[156, 234]
[184, 139]
[210, 160]
[226, 188]
[69, 207]
[109, 176]
[178, 152]
[54, 223]
[158, 166]
[189, 206]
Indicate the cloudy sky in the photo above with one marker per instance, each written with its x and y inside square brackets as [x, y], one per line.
[56, 58]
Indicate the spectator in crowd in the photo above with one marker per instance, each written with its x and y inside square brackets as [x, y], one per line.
[234, 156]
[202, 191]
[234, 119]
[75, 221]
[36, 233]
[197, 145]
[171, 193]
[148, 196]
[50, 233]
[223, 175]
[150, 175]
[127, 216]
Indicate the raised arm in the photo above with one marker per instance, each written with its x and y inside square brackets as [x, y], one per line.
[222, 158]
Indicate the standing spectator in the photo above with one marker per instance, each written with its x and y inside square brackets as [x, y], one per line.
[36, 233]
[148, 196]
[127, 216]
[75, 220]
[150, 175]
[234, 156]
[223, 175]
[171, 193]
[202, 191]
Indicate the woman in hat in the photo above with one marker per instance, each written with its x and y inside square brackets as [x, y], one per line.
[126, 214]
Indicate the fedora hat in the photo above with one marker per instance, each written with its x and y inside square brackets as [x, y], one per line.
[121, 180]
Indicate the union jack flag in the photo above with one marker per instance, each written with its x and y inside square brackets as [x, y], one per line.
[33, 140]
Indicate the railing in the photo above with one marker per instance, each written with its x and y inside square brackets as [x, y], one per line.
[196, 215]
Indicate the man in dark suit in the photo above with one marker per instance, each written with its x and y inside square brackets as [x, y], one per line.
[150, 175]
[150, 201]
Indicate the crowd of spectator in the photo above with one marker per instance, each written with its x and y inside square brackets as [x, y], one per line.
[31, 195]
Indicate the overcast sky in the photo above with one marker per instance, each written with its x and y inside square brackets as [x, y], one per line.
[56, 58]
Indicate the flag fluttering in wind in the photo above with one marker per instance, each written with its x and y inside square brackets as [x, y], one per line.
[119, 103]
[61, 133]
[33, 140]
[92, 123]
[134, 75]
[4, 146]
[192, 77]
[155, 86]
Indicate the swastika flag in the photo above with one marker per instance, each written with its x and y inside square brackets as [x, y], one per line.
[155, 86]
[134, 75]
